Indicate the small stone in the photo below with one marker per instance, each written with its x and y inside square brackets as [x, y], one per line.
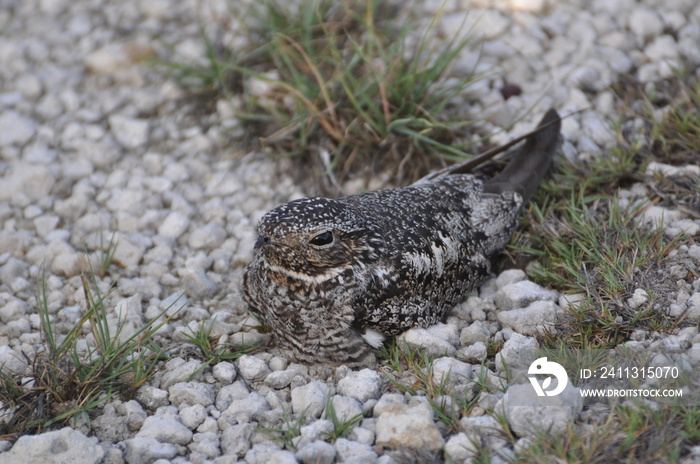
[527, 415]
[127, 253]
[236, 439]
[191, 393]
[252, 368]
[539, 318]
[229, 393]
[658, 216]
[451, 372]
[517, 352]
[15, 129]
[316, 430]
[205, 444]
[198, 284]
[144, 450]
[224, 372]
[521, 294]
[474, 354]
[34, 181]
[645, 23]
[353, 452]
[361, 385]
[165, 429]
[477, 332]
[386, 402]
[639, 297]
[317, 452]
[192, 416]
[421, 339]
[243, 410]
[174, 225]
[310, 399]
[207, 237]
[461, 448]
[345, 408]
[269, 454]
[280, 379]
[57, 447]
[177, 370]
[12, 309]
[152, 397]
[130, 133]
[408, 426]
[510, 276]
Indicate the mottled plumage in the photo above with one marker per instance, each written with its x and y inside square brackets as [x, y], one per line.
[332, 277]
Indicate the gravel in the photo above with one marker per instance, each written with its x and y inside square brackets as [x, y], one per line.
[93, 140]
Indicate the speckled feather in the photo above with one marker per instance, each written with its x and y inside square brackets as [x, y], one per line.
[332, 277]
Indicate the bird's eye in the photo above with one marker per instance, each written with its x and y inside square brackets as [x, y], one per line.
[322, 239]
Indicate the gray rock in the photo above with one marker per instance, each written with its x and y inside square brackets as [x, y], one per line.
[353, 452]
[225, 372]
[143, 450]
[236, 439]
[192, 416]
[130, 133]
[269, 454]
[460, 448]
[310, 399]
[521, 294]
[362, 385]
[528, 414]
[252, 368]
[243, 410]
[477, 332]
[206, 445]
[134, 414]
[191, 393]
[12, 361]
[452, 373]
[198, 284]
[474, 354]
[61, 446]
[127, 253]
[178, 370]
[316, 430]
[510, 276]
[207, 237]
[15, 129]
[280, 379]
[538, 318]
[31, 180]
[408, 426]
[421, 339]
[387, 402]
[174, 225]
[230, 393]
[165, 429]
[517, 352]
[11, 308]
[345, 408]
[152, 397]
[109, 426]
[317, 452]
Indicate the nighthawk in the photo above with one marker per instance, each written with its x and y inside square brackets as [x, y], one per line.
[333, 277]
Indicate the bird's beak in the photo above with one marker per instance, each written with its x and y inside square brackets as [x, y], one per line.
[262, 240]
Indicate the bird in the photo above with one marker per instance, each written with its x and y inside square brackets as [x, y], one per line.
[333, 278]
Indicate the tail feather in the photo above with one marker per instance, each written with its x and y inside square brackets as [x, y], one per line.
[527, 169]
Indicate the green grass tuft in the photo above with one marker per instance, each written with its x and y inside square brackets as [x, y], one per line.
[68, 380]
[349, 88]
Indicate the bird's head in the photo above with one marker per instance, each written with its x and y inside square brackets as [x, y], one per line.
[314, 239]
